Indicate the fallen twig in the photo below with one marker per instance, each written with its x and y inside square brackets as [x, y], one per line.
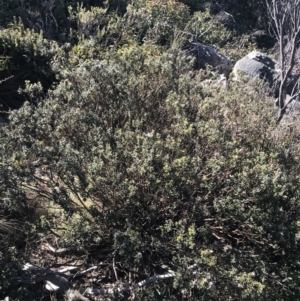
[110, 291]
[56, 251]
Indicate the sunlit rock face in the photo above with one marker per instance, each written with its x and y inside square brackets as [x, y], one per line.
[258, 65]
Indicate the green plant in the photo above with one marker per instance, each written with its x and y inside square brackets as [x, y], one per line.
[177, 174]
[25, 55]
[208, 29]
[136, 163]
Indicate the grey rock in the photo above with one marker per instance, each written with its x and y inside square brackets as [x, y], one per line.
[258, 65]
[208, 56]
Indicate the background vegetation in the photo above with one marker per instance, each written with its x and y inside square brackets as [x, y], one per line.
[118, 150]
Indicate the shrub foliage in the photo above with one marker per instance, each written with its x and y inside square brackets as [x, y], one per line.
[132, 153]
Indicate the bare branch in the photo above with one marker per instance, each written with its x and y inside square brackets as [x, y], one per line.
[285, 22]
[56, 251]
[111, 291]
[156, 278]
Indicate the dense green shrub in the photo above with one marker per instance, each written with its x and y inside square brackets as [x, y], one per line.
[131, 152]
[206, 28]
[175, 173]
[25, 55]
[149, 22]
[158, 20]
[87, 23]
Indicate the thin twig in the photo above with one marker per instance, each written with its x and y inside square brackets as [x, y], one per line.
[114, 268]
[111, 291]
[56, 251]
